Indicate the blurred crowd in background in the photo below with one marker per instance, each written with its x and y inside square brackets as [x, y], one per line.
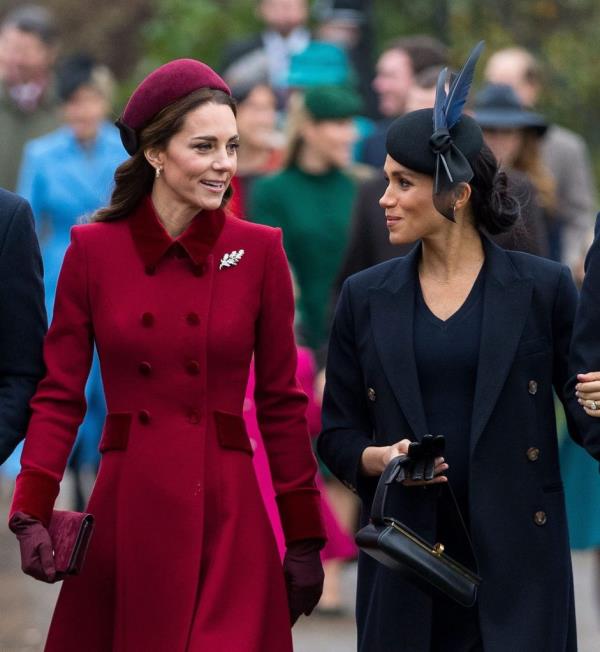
[316, 88]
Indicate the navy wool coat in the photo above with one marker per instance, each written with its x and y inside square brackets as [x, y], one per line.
[585, 344]
[22, 318]
[516, 502]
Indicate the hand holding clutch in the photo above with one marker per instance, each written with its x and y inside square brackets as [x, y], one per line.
[303, 577]
[37, 558]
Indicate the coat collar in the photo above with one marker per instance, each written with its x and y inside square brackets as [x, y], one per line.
[152, 241]
[506, 302]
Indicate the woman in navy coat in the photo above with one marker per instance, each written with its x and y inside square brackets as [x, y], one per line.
[463, 339]
[584, 383]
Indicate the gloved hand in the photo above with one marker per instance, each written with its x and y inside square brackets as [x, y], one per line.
[304, 577]
[420, 461]
[37, 558]
[423, 455]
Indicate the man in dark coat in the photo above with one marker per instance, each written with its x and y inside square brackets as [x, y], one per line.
[22, 318]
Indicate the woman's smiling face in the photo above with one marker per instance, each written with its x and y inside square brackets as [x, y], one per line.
[408, 204]
[199, 161]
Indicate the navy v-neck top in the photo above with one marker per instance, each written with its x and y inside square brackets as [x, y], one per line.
[447, 353]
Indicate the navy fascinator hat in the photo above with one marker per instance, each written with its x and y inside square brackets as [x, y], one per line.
[441, 142]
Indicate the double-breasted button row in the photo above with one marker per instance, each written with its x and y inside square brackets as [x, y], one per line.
[532, 387]
[540, 518]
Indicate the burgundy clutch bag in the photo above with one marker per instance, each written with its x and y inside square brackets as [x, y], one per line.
[70, 533]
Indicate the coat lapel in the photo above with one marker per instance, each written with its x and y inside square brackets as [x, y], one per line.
[506, 302]
[392, 307]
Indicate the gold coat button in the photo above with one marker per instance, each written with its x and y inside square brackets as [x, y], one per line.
[371, 395]
[533, 454]
[532, 387]
[540, 518]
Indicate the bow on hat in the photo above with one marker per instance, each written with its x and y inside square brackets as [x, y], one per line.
[451, 165]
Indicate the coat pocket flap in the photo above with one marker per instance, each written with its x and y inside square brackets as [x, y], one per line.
[231, 432]
[115, 435]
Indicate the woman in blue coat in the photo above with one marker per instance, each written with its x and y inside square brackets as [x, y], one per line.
[463, 339]
[66, 176]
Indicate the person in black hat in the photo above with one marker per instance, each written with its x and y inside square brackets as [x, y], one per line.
[513, 134]
[463, 339]
[564, 152]
[369, 243]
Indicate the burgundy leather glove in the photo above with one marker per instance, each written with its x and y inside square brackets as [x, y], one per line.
[37, 558]
[304, 576]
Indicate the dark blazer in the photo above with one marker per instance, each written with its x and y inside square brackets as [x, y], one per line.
[22, 318]
[516, 510]
[585, 345]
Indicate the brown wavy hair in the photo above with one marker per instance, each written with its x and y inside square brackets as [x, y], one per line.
[529, 160]
[134, 178]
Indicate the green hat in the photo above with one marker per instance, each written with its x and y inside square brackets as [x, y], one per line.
[320, 63]
[332, 102]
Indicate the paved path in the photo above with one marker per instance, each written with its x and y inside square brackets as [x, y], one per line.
[26, 605]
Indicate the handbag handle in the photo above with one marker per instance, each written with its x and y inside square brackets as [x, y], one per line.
[388, 477]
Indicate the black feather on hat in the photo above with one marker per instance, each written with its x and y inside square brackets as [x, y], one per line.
[441, 142]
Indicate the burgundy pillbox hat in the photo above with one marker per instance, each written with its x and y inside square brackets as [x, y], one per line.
[162, 87]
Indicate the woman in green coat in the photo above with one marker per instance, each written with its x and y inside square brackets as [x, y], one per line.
[311, 199]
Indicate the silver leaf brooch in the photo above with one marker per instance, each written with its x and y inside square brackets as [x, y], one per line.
[231, 259]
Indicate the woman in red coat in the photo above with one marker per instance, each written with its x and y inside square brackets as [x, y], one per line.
[177, 297]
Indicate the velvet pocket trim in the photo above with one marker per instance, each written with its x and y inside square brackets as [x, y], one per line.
[115, 435]
[231, 432]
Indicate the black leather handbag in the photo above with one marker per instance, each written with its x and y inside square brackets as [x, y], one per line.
[424, 564]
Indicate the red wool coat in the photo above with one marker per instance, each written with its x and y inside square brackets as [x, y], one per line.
[183, 557]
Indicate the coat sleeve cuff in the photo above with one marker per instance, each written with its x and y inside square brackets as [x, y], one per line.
[35, 495]
[300, 513]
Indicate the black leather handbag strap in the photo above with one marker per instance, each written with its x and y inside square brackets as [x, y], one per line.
[388, 478]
